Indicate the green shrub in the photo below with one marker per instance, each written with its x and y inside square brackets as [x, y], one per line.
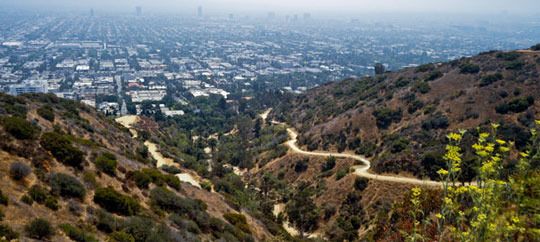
[37, 194]
[27, 199]
[39, 229]
[90, 180]
[173, 181]
[424, 68]
[206, 185]
[515, 65]
[360, 183]
[141, 179]
[422, 87]
[509, 56]
[488, 79]
[329, 164]
[184, 224]
[168, 201]
[469, 68]
[156, 175]
[399, 145]
[7, 233]
[341, 173]
[46, 112]
[171, 169]
[438, 121]
[115, 202]
[66, 186]
[139, 227]
[19, 127]
[77, 234]
[415, 105]
[238, 220]
[535, 47]
[4, 200]
[386, 116]
[52, 203]
[119, 236]
[61, 149]
[19, 170]
[107, 222]
[106, 163]
[434, 75]
[301, 165]
[402, 81]
[515, 105]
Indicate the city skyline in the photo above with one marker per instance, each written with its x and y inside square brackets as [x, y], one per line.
[338, 7]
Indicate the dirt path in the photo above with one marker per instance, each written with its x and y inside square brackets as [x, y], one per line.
[279, 208]
[128, 121]
[362, 171]
[264, 115]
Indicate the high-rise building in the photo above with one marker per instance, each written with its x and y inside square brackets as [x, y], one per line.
[231, 16]
[91, 12]
[138, 9]
[199, 12]
[33, 86]
[271, 15]
[307, 16]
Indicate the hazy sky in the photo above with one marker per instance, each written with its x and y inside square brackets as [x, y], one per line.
[285, 6]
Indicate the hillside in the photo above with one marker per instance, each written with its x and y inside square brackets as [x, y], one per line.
[400, 119]
[69, 172]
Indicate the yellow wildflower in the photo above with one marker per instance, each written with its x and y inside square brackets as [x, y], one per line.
[442, 172]
[482, 217]
[439, 216]
[484, 135]
[501, 142]
[478, 147]
[537, 122]
[416, 191]
[495, 126]
[483, 153]
[454, 136]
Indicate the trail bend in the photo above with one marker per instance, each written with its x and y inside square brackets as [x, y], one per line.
[361, 170]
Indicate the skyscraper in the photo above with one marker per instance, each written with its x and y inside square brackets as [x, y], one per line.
[91, 12]
[307, 16]
[199, 12]
[138, 9]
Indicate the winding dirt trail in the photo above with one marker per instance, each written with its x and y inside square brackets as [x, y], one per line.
[362, 171]
[128, 121]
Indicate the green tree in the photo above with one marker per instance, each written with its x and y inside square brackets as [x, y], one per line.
[302, 211]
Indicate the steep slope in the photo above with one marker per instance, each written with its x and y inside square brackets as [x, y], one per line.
[400, 119]
[84, 174]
